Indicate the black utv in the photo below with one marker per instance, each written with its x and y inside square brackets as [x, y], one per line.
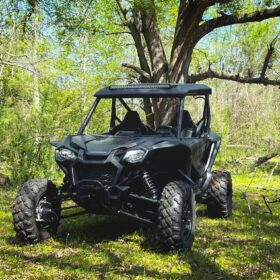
[152, 174]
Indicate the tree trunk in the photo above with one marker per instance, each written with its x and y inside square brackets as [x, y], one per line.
[156, 51]
[36, 27]
[140, 18]
[148, 112]
[83, 66]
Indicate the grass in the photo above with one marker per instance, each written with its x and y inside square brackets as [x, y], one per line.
[246, 246]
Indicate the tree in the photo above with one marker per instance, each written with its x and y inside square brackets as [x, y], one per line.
[34, 5]
[51, 63]
[195, 20]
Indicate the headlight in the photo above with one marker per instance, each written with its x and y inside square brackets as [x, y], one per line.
[134, 156]
[65, 154]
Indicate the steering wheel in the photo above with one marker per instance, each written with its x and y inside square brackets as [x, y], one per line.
[149, 130]
[142, 130]
[166, 129]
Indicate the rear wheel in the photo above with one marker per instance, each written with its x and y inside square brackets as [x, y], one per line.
[219, 195]
[177, 217]
[35, 213]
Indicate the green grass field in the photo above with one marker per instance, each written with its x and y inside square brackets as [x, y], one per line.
[246, 246]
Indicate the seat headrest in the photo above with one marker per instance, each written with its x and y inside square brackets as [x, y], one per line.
[186, 120]
[132, 116]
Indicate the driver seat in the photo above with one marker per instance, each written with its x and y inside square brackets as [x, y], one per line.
[131, 122]
[187, 122]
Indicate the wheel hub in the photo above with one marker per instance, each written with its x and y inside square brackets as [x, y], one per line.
[46, 216]
[186, 220]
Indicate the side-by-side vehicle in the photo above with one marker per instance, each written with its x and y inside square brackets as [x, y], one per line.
[152, 174]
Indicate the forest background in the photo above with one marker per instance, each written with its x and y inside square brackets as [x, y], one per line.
[54, 55]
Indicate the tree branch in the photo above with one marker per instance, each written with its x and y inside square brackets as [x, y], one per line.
[269, 54]
[187, 35]
[214, 2]
[135, 33]
[111, 33]
[226, 20]
[261, 78]
[210, 74]
[138, 70]
[8, 63]
[264, 159]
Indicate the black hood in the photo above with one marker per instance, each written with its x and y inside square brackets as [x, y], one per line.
[105, 144]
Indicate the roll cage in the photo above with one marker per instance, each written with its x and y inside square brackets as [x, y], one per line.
[151, 91]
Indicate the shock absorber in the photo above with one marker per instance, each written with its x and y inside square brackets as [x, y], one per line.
[149, 185]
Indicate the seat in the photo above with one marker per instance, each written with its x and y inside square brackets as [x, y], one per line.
[131, 122]
[187, 122]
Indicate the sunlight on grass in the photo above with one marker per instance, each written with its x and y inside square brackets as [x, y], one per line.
[246, 246]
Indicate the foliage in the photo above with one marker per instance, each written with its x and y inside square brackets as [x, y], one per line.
[66, 50]
[71, 69]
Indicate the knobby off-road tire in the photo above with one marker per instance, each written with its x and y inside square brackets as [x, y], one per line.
[177, 217]
[219, 195]
[36, 196]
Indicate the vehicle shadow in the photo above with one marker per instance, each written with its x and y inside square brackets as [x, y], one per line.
[96, 229]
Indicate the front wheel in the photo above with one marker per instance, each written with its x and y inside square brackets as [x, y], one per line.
[177, 217]
[36, 214]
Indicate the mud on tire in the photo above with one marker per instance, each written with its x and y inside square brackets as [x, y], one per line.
[219, 195]
[24, 211]
[177, 217]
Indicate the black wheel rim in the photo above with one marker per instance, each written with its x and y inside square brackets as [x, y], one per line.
[187, 220]
[46, 215]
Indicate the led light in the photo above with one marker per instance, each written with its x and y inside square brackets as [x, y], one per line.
[65, 154]
[134, 156]
[143, 86]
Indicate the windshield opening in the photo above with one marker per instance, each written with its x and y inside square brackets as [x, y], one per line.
[125, 116]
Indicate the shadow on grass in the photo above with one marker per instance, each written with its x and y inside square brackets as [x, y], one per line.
[200, 266]
[94, 230]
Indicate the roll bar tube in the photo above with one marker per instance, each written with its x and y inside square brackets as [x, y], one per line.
[180, 117]
[208, 115]
[113, 113]
[88, 117]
